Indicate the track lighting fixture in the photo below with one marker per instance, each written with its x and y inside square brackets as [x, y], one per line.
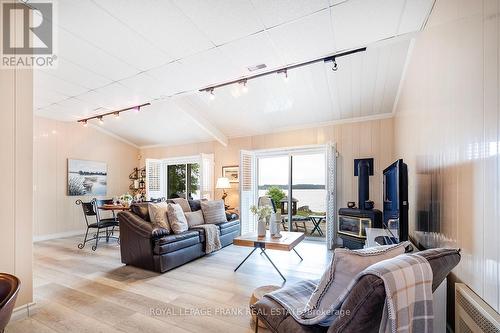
[116, 114]
[284, 70]
[244, 87]
[285, 74]
[335, 67]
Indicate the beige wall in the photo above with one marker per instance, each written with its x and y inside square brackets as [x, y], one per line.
[55, 142]
[16, 196]
[447, 129]
[354, 140]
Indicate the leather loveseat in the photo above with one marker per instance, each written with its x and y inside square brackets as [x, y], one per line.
[154, 249]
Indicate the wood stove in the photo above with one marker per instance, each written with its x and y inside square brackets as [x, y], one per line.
[352, 222]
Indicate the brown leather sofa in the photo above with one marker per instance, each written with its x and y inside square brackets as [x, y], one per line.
[364, 303]
[9, 288]
[155, 249]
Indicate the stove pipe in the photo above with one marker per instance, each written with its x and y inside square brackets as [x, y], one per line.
[363, 183]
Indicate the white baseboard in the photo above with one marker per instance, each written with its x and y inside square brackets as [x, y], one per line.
[24, 311]
[58, 235]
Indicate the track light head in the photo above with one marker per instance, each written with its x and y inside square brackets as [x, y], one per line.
[212, 94]
[101, 121]
[244, 87]
[285, 74]
[116, 114]
[84, 123]
[335, 66]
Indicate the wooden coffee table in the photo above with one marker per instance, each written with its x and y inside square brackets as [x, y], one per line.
[287, 242]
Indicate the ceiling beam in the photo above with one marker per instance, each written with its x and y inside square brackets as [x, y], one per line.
[202, 121]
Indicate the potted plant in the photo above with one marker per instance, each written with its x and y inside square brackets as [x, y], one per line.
[126, 199]
[262, 214]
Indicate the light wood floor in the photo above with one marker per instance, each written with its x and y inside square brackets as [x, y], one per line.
[84, 291]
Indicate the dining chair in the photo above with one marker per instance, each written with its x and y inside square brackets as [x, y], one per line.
[90, 211]
[100, 203]
[9, 288]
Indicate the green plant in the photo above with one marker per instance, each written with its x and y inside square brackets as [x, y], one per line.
[261, 212]
[276, 194]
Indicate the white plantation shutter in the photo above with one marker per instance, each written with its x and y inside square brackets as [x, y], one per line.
[331, 199]
[154, 179]
[207, 176]
[247, 191]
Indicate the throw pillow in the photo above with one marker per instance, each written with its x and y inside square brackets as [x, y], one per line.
[158, 215]
[213, 211]
[176, 217]
[183, 203]
[345, 265]
[194, 218]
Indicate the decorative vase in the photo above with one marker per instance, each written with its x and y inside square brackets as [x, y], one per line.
[272, 224]
[261, 228]
[276, 222]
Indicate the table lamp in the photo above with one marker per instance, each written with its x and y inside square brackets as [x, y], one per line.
[223, 184]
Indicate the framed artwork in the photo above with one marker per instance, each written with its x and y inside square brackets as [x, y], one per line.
[232, 173]
[87, 178]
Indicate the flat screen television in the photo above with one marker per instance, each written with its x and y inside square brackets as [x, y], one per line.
[395, 215]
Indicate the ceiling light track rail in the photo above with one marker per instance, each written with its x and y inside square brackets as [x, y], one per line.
[115, 113]
[284, 70]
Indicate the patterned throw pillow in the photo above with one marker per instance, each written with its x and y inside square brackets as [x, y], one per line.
[213, 211]
[158, 215]
[345, 265]
[194, 218]
[183, 203]
[176, 217]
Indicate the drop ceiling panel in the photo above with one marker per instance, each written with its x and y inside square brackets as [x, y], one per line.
[144, 87]
[92, 58]
[251, 51]
[45, 96]
[357, 22]
[112, 97]
[275, 12]
[161, 23]
[42, 79]
[414, 15]
[87, 21]
[305, 39]
[76, 74]
[162, 122]
[222, 20]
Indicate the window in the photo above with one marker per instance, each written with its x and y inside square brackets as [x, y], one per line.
[181, 177]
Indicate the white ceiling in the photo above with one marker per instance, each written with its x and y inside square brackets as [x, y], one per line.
[117, 53]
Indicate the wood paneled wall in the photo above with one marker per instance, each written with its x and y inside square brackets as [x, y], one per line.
[447, 129]
[372, 138]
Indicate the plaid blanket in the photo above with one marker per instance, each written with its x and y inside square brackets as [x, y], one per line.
[408, 287]
[293, 297]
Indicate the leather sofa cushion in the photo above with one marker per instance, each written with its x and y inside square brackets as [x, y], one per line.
[365, 301]
[176, 242]
[229, 224]
[141, 209]
[228, 227]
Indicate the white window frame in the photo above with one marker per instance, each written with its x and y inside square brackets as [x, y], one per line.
[205, 161]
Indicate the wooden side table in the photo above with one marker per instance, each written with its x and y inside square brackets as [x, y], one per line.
[257, 296]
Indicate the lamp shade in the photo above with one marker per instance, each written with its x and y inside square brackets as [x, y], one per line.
[222, 183]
